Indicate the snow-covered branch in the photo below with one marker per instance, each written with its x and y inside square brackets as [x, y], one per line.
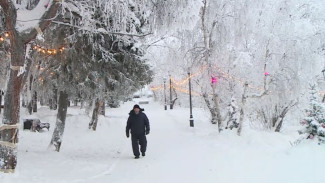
[101, 30]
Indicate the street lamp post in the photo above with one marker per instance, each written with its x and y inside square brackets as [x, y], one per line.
[170, 93]
[189, 85]
[165, 93]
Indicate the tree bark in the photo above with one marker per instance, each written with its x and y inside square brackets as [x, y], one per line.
[241, 116]
[34, 101]
[41, 101]
[8, 152]
[60, 121]
[94, 118]
[211, 109]
[278, 124]
[207, 39]
[217, 108]
[75, 102]
[50, 104]
[30, 107]
[102, 111]
[173, 102]
[53, 101]
[30, 95]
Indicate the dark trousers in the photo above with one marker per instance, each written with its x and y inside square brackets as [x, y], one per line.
[136, 140]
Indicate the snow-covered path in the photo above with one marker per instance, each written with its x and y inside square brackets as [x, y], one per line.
[173, 152]
[176, 152]
[179, 153]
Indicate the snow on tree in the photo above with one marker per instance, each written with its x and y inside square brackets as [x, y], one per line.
[233, 114]
[262, 43]
[101, 60]
[314, 121]
[20, 35]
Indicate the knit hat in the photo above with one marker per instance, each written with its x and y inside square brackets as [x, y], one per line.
[136, 106]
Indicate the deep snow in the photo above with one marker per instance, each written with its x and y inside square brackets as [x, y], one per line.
[176, 152]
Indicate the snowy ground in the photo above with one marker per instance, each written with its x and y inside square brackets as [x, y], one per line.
[176, 152]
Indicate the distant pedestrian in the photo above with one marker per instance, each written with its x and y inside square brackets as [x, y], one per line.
[138, 123]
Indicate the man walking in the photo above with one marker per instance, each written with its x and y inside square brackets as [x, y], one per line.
[138, 123]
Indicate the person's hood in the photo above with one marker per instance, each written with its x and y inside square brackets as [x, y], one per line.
[133, 113]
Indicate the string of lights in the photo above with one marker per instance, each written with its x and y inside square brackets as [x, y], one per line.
[156, 88]
[49, 51]
[225, 75]
[36, 47]
[181, 82]
[229, 76]
[186, 91]
[53, 51]
[184, 81]
[4, 36]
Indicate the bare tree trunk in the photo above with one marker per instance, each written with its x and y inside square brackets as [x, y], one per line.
[27, 85]
[207, 39]
[60, 121]
[243, 102]
[30, 107]
[94, 118]
[9, 129]
[211, 109]
[174, 100]
[24, 97]
[8, 151]
[285, 110]
[53, 101]
[217, 108]
[9, 138]
[34, 101]
[50, 104]
[82, 103]
[102, 110]
[30, 95]
[75, 102]
[41, 101]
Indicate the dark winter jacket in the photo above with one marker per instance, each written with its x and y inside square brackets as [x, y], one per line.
[137, 123]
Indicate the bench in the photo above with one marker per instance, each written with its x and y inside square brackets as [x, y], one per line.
[143, 102]
[35, 125]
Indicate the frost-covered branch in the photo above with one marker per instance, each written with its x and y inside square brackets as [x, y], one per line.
[101, 30]
[45, 21]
